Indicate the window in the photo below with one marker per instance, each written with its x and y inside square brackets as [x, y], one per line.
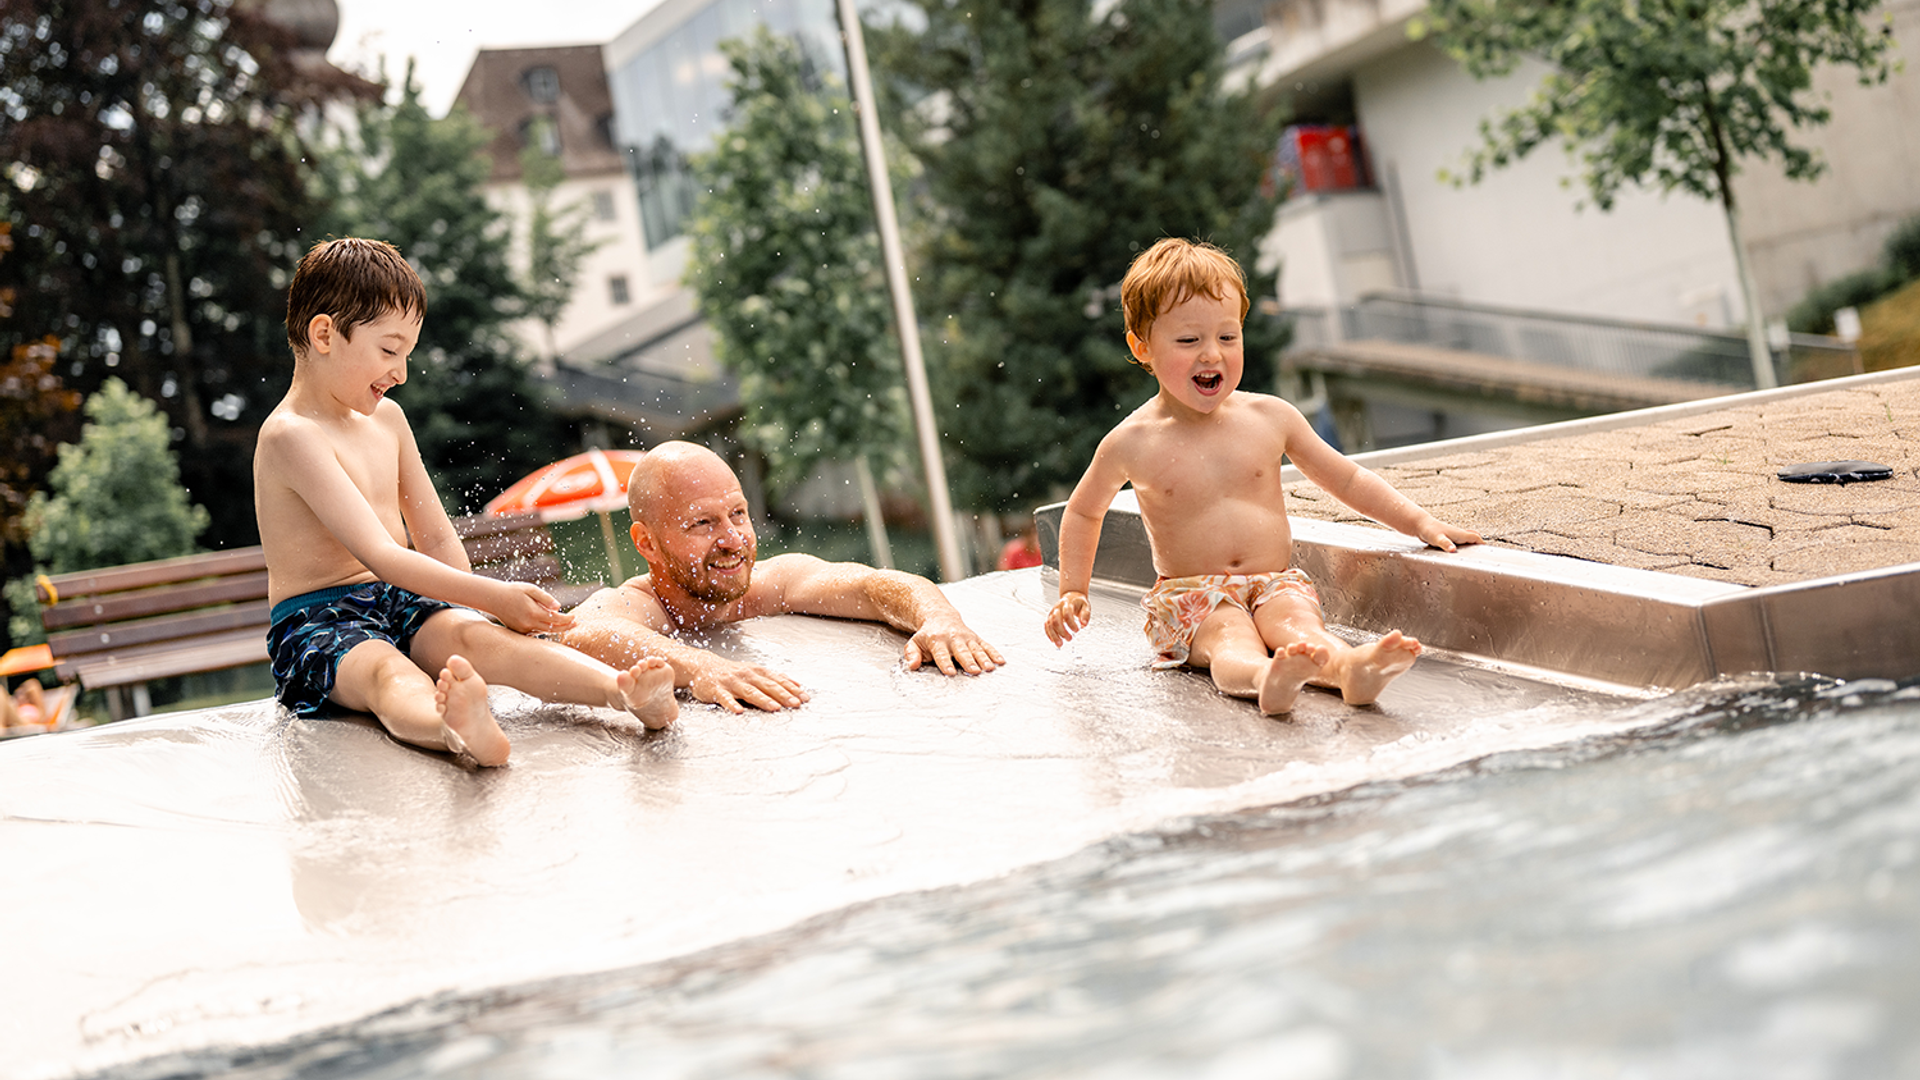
[542, 84]
[603, 209]
[617, 289]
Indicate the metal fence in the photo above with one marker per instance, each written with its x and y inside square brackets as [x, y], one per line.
[1584, 342]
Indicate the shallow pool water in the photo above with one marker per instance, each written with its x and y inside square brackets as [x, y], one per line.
[1724, 884]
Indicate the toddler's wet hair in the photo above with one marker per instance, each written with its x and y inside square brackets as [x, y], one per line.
[354, 280]
[1172, 271]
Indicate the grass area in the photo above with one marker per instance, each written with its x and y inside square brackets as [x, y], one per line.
[1890, 330]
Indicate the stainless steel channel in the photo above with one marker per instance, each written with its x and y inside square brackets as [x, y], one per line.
[1633, 628]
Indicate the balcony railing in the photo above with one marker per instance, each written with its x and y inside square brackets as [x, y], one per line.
[1584, 342]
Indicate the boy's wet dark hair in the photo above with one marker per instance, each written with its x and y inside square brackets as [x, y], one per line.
[1174, 270]
[356, 281]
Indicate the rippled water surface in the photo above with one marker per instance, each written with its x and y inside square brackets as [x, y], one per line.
[1731, 890]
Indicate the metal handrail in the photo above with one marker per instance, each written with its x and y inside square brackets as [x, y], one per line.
[1594, 343]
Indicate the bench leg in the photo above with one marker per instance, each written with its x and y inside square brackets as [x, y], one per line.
[142, 701]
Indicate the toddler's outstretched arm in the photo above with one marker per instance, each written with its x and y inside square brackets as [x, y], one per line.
[1080, 539]
[1364, 490]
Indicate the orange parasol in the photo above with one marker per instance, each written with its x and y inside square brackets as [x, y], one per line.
[591, 483]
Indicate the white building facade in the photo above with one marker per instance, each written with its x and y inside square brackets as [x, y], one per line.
[1519, 238]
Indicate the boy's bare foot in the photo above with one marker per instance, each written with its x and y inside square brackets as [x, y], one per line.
[1371, 667]
[646, 691]
[466, 720]
[1291, 667]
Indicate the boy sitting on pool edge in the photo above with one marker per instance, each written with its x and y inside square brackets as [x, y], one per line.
[375, 607]
[1204, 460]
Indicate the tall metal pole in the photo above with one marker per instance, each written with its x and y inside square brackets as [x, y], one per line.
[945, 538]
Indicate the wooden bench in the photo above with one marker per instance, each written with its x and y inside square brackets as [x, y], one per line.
[116, 628]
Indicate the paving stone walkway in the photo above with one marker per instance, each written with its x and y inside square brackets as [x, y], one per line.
[1695, 495]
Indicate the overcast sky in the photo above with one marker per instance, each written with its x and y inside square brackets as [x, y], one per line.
[443, 35]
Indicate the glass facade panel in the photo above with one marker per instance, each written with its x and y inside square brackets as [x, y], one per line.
[672, 98]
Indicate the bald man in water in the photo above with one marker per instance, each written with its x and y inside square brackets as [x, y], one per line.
[690, 523]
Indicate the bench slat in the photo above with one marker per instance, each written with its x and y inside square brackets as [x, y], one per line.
[93, 639]
[539, 571]
[160, 600]
[475, 526]
[486, 550]
[125, 667]
[158, 572]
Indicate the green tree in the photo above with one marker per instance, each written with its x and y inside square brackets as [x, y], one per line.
[116, 498]
[116, 494]
[557, 242]
[1671, 94]
[787, 264]
[419, 183]
[153, 175]
[1055, 142]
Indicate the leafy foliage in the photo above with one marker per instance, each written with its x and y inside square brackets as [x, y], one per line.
[116, 494]
[1053, 147]
[1670, 93]
[153, 177]
[788, 268]
[1899, 264]
[418, 183]
[35, 409]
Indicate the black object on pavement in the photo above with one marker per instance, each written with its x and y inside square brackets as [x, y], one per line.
[1835, 472]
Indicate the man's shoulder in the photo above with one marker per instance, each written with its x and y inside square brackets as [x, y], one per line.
[774, 575]
[633, 590]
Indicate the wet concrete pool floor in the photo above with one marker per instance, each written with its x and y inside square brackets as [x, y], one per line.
[234, 878]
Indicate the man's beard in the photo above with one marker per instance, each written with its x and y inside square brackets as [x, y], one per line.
[695, 582]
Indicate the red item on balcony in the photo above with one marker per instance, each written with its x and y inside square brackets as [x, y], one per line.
[1321, 157]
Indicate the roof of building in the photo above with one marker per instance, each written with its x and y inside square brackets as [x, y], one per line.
[499, 94]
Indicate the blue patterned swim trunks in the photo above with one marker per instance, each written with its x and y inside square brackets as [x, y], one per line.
[310, 634]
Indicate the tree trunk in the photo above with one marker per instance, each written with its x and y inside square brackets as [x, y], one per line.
[876, 524]
[1757, 351]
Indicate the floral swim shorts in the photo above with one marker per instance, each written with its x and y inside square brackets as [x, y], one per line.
[311, 633]
[1177, 606]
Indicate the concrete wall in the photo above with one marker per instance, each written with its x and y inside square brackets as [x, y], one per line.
[1334, 248]
[1518, 237]
[623, 253]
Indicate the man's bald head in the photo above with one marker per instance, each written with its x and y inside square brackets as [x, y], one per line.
[667, 473]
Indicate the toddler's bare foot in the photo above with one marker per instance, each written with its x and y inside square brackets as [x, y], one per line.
[1287, 672]
[466, 720]
[646, 691]
[1371, 667]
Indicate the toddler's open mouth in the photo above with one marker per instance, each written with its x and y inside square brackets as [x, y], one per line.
[1209, 382]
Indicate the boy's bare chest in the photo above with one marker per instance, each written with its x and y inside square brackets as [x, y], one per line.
[370, 456]
[1186, 471]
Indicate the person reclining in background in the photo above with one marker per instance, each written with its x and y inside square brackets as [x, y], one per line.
[690, 523]
[1204, 460]
[375, 607]
[26, 707]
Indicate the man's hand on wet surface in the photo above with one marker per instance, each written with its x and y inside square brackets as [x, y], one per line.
[952, 647]
[1069, 616]
[733, 686]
